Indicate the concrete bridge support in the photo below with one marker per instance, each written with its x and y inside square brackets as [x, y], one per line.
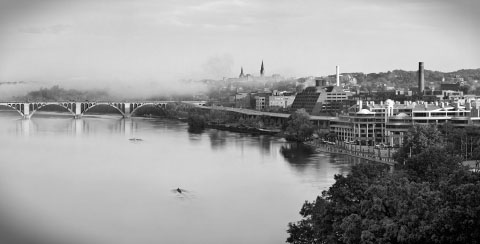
[78, 110]
[26, 110]
[127, 113]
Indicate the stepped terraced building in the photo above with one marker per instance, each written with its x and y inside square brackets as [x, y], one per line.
[320, 100]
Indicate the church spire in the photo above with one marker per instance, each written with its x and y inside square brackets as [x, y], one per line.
[261, 69]
[241, 73]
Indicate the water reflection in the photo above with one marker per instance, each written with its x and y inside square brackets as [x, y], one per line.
[195, 137]
[218, 139]
[302, 159]
[85, 177]
[297, 154]
[70, 126]
[314, 167]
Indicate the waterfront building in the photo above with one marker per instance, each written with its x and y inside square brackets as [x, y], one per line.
[371, 124]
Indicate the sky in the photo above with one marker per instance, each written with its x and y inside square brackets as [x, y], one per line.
[105, 43]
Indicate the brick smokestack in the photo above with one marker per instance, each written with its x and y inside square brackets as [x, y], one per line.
[338, 75]
[421, 78]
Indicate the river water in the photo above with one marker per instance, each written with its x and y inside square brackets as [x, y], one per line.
[84, 180]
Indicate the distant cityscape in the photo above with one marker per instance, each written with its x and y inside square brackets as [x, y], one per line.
[364, 109]
[368, 109]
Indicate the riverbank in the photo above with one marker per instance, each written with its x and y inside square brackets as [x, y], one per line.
[243, 129]
[353, 151]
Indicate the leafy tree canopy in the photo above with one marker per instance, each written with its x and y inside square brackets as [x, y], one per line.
[372, 206]
[417, 140]
[299, 127]
[431, 198]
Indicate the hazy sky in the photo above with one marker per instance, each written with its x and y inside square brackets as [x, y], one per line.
[159, 41]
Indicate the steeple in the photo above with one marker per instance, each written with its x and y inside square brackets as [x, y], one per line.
[241, 73]
[261, 69]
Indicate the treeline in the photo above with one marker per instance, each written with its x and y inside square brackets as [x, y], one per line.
[462, 142]
[56, 93]
[430, 197]
[199, 118]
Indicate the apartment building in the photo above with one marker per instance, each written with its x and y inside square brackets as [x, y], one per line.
[387, 122]
[281, 101]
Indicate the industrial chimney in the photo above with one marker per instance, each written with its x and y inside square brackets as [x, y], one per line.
[421, 78]
[338, 75]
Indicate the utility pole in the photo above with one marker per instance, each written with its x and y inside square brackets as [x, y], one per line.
[466, 147]
[471, 149]
[461, 146]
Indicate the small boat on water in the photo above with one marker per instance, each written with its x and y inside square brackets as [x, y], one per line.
[135, 139]
[179, 190]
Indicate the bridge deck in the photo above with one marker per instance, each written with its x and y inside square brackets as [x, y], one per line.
[270, 114]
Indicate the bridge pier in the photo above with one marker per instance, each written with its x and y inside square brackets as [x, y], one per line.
[26, 111]
[78, 110]
[127, 113]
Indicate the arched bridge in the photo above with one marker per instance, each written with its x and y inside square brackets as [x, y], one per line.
[78, 109]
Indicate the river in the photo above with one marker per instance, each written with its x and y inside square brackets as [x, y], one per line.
[84, 180]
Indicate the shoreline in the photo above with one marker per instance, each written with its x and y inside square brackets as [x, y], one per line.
[243, 129]
[333, 149]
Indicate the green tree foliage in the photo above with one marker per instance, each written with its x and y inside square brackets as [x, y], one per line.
[299, 127]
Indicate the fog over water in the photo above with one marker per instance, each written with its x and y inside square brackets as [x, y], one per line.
[83, 180]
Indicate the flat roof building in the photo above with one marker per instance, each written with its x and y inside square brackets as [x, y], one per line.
[371, 123]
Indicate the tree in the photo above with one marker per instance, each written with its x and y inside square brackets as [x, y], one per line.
[299, 127]
[323, 218]
[196, 122]
[418, 139]
[431, 164]
[476, 157]
[424, 155]
[372, 206]
[458, 216]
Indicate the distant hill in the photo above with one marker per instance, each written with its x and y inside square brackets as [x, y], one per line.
[408, 79]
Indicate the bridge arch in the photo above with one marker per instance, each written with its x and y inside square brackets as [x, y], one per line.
[38, 106]
[155, 105]
[12, 108]
[91, 105]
